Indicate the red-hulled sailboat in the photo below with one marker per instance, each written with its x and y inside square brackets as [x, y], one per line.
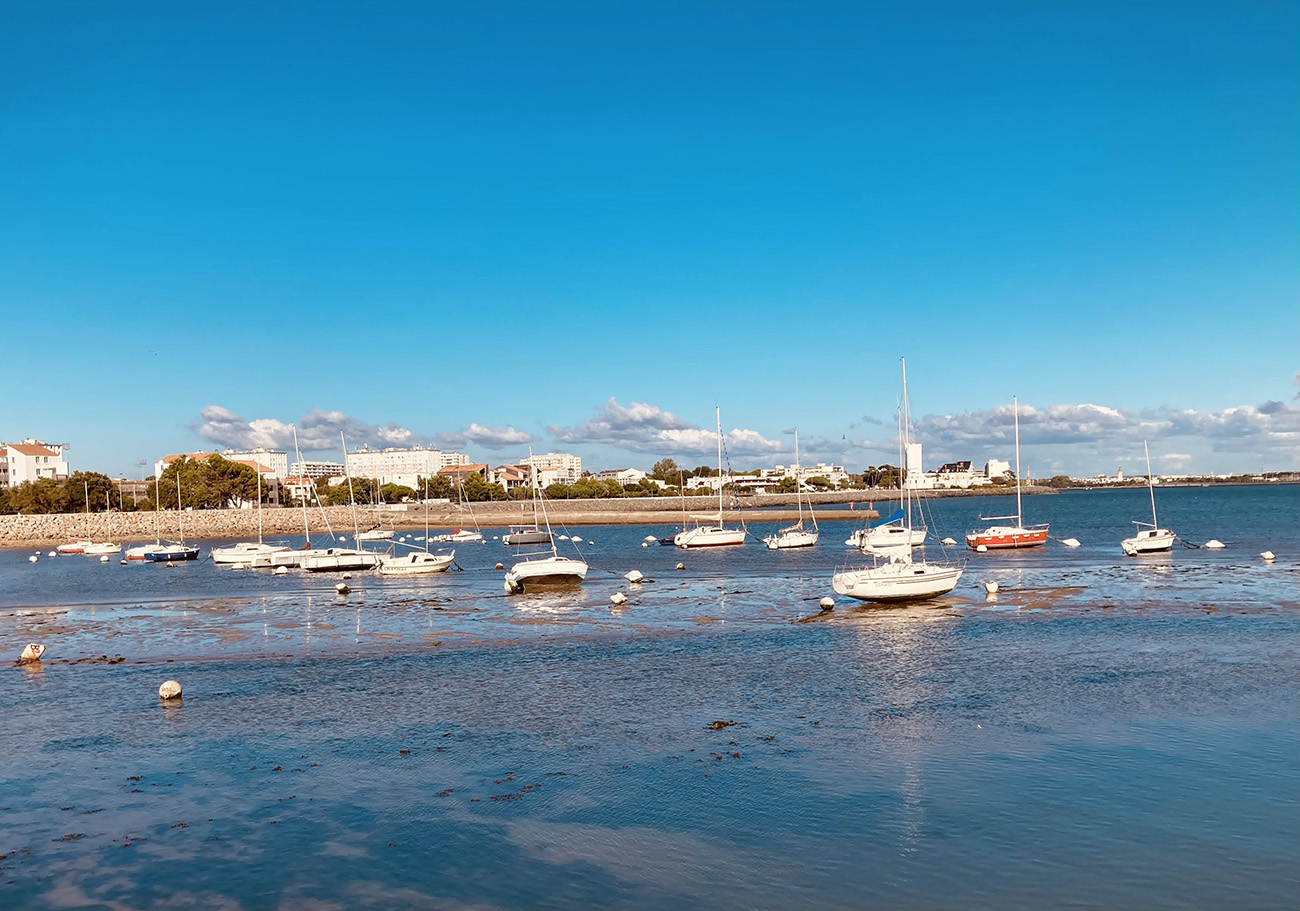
[1006, 537]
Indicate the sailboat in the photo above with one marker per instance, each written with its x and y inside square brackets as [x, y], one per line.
[529, 534]
[538, 569]
[795, 535]
[416, 562]
[340, 559]
[90, 547]
[891, 532]
[254, 553]
[896, 575]
[104, 548]
[170, 551]
[1150, 538]
[376, 531]
[713, 533]
[460, 535]
[1005, 537]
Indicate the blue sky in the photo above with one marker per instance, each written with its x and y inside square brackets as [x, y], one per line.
[585, 224]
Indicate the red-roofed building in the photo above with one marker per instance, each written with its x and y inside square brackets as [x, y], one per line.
[31, 460]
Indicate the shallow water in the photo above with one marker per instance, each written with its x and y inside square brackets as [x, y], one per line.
[1107, 732]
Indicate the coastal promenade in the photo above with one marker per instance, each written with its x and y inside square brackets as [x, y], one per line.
[49, 530]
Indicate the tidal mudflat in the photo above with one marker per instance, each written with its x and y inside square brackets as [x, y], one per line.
[1104, 733]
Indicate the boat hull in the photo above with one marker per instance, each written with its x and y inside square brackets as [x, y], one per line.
[709, 536]
[415, 564]
[531, 536]
[102, 549]
[78, 547]
[338, 561]
[901, 581]
[1148, 543]
[171, 554]
[459, 536]
[247, 552]
[550, 572]
[1007, 537]
[886, 536]
[790, 539]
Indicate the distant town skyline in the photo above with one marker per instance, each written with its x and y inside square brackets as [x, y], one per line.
[584, 226]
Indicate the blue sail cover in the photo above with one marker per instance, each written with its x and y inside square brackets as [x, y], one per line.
[894, 518]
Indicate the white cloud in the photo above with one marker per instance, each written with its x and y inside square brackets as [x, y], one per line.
[317, 431]
[487, 437]
[641, 427]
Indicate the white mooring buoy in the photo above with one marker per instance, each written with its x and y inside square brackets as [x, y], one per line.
[618, 598]
[827, 603]
[33, 558]
[1268, 556]
[342, 588]
[32, 652]
[281, 570]
[990, 586]
[1214, 544]
[104, 559]
[1071, 542]
[634, 576]
[681, 565]
[170, 690]
[982, 549]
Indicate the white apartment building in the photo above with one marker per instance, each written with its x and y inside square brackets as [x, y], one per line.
[314, 469]
[278, 462]
[559, 467]
[31, 460]
[389, 464]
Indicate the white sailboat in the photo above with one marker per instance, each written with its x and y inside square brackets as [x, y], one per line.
[1150, 537]
[892, 532]
[540, 569]
[897, 576]
[326, 559]
[251, 553]
[795, 535]
[709, 530]
[92, 548]
[416, 562]
[461, 535]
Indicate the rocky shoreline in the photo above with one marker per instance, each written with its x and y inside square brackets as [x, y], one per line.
[49, 530]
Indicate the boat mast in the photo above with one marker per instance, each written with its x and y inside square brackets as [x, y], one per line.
[108, 515]
[86, 486]
[356, 529]
[1150, 487]
[306, 528]
[259, 507]
[798, 501]
[718, 414]
[180, 518]
[1015, 407]
[905, 495]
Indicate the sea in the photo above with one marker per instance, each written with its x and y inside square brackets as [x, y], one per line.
[1103, 732]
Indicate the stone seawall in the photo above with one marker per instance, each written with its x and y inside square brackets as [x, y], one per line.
[49, 530]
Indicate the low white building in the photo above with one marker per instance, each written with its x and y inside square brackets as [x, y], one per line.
[628, 477]
[31, 460]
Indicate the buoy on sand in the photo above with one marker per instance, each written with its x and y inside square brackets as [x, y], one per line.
[634, 576]
[948, 542]
[990, 586]
[827, 603]
[681, 565]
[342, 588]
[618, 598]
[32, 652]
[169, 690]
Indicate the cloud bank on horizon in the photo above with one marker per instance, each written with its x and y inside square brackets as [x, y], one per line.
[1076, 439]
